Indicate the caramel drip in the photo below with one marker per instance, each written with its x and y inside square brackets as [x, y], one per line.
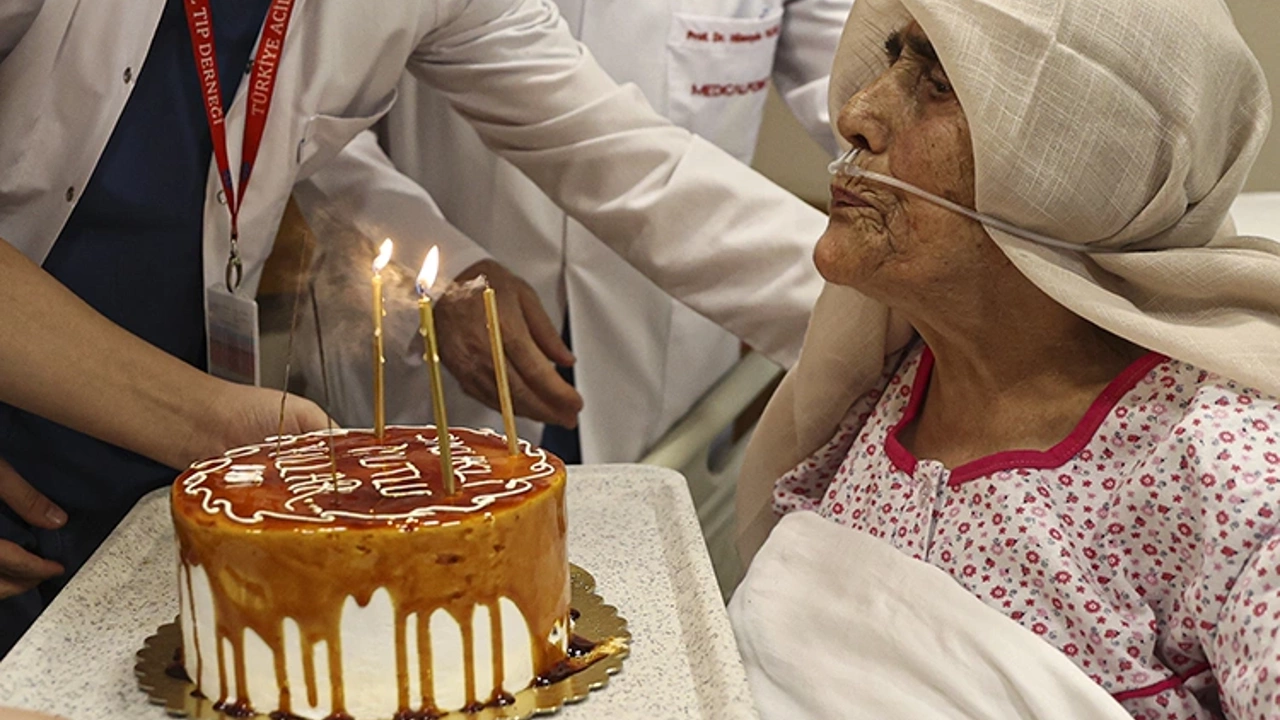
[242, 678]
[426, 666]
[469, 657]
[222, 668]
[282, 673]
[195, 627]
[309, 671]
[339, 689]
[545, 654]
[499, 657]
[402, 662]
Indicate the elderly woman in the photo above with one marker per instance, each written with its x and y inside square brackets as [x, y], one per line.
[1033, 440]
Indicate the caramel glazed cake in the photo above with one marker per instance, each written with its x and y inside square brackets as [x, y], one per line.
[351, 586]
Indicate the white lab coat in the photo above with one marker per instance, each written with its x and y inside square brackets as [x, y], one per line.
[510, 66]
[643, 358]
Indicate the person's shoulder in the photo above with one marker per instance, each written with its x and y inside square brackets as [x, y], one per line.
[1215, 399]
[1223, 428]
[1220, 459]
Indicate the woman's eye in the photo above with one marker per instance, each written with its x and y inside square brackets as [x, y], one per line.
[893, 48]
[942, 87]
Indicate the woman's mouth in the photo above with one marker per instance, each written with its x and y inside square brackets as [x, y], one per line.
[842, 197]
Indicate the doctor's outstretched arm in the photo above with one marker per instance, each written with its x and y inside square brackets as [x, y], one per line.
[62, 360]
[709, 231]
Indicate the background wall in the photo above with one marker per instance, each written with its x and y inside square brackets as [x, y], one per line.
[787, 154]
[1259, 23]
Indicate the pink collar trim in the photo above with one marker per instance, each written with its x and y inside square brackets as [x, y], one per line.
[1054, 457]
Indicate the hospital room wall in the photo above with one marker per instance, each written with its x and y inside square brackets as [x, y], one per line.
[786, 154]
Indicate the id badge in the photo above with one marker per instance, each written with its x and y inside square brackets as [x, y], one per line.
[231, 324]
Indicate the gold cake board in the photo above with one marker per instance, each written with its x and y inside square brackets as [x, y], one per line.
[595, 622]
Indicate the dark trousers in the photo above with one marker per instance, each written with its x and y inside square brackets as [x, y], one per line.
[563, 442]
[95, 483]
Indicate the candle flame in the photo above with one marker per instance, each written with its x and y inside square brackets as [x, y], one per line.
[384, 256]
[430, 268]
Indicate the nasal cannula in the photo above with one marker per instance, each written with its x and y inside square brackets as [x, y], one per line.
[845, 165]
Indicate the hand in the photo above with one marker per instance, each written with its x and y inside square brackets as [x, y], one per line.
[529, 338]
[21, 571]
[245, 415]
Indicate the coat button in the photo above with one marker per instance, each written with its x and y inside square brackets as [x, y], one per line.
[71, 193]
[128, 75]
[222, 197]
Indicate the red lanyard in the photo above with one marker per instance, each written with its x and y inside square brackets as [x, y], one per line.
[262, 84]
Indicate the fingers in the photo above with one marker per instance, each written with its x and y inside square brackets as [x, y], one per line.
[543, 329]
[530, 341]
[537, 390]
[21, 571]
[25, 500]
[303, 416]
[464, 345]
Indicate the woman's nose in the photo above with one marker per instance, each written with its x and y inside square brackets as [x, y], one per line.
[862, 120]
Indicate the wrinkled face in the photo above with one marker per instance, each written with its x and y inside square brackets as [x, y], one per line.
[887, 243]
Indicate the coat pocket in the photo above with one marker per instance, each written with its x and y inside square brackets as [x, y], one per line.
[718, 71]
[324, 136]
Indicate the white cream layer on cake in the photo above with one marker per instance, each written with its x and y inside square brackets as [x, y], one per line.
[369, 593]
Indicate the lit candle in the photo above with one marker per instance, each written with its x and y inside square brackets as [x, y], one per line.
[379, 400]
[431, 356]
[500, 370]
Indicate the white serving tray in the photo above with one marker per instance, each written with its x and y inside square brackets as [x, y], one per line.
[632, 526]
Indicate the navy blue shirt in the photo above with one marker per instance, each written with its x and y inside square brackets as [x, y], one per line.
[132, 249]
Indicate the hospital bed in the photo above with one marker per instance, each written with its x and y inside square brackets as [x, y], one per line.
[704, 447]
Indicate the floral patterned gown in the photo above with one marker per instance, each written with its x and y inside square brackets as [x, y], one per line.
[1144, 546]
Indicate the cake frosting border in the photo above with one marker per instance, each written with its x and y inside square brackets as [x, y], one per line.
[193, 479]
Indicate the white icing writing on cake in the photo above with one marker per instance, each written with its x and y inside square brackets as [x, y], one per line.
[303, 463]
[245, 475]
[466, 461]
[395, 476]
[301, 469]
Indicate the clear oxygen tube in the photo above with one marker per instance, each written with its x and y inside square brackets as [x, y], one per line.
[845, 165]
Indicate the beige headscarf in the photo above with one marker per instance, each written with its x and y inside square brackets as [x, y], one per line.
[1126, 125]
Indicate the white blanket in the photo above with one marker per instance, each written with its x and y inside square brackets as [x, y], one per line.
[837, 624]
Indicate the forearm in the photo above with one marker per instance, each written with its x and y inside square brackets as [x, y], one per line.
[62, 360]
[712, 233]
[707, 230]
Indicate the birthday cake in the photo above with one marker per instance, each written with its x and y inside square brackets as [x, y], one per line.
[334, 577]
